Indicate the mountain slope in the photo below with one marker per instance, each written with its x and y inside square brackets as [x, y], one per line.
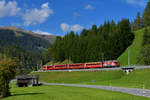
[28, 40]
[134, 49]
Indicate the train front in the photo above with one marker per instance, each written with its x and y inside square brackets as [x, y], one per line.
[47, 67]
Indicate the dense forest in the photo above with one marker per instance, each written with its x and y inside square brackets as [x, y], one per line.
[106, 42]
[26, 48]
[27, 60]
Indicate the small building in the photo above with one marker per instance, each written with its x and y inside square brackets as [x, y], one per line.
[27, 80]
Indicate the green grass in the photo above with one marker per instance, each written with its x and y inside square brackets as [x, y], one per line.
[136, 79]
[134, 49]
[67, 93]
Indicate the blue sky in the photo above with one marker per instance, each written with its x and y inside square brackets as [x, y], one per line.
[58, 17]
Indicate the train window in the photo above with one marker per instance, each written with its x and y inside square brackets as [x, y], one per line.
[116, 62]
[48, 66]
[75, 65]
[60, 66]
[93, 64]
[45, 66]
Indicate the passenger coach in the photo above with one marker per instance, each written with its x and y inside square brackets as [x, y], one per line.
[105, 64]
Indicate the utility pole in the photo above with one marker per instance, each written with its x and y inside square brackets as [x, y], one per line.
[68, 60]
[102, 59]
[128, 57]
[37, 67]
[41, 63]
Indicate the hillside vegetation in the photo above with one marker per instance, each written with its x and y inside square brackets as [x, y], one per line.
[67, 93]
[134, 49]
[136, 79]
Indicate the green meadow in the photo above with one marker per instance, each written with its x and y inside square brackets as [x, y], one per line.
[136, 79]
[67, 93]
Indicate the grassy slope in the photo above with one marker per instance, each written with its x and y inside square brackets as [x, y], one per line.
[67, 93]
[133, 49]
[137, 79]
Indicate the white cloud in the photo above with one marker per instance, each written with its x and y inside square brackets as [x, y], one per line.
[41, 32]
[8, 9]
[89, 7]
[75, 28]
[35, 16]
[65, 27]
[141, 3]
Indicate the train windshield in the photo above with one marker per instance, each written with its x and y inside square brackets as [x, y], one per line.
[45, 67]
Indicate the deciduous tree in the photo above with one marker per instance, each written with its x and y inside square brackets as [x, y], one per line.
[7, 72]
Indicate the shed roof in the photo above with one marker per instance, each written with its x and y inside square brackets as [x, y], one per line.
[27, 76]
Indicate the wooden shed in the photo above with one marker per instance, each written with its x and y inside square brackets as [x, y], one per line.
[27, 80]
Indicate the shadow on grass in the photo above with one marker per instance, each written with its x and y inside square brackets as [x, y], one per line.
[26, 94]
[22, 94]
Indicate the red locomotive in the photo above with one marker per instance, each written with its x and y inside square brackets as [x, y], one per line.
[104, 64]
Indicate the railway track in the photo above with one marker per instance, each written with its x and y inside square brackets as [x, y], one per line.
[95, 69]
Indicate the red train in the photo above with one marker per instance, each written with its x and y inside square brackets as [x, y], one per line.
[105, 64]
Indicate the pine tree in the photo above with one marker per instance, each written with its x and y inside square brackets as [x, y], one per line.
[125, 35]
[138, 22]
[84, 33]
[146, 15]
[100, 29]
[113, 27]
[57, 49]
[94, 29]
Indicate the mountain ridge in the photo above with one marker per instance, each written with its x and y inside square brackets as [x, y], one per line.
[50, 38]
[28, 40]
